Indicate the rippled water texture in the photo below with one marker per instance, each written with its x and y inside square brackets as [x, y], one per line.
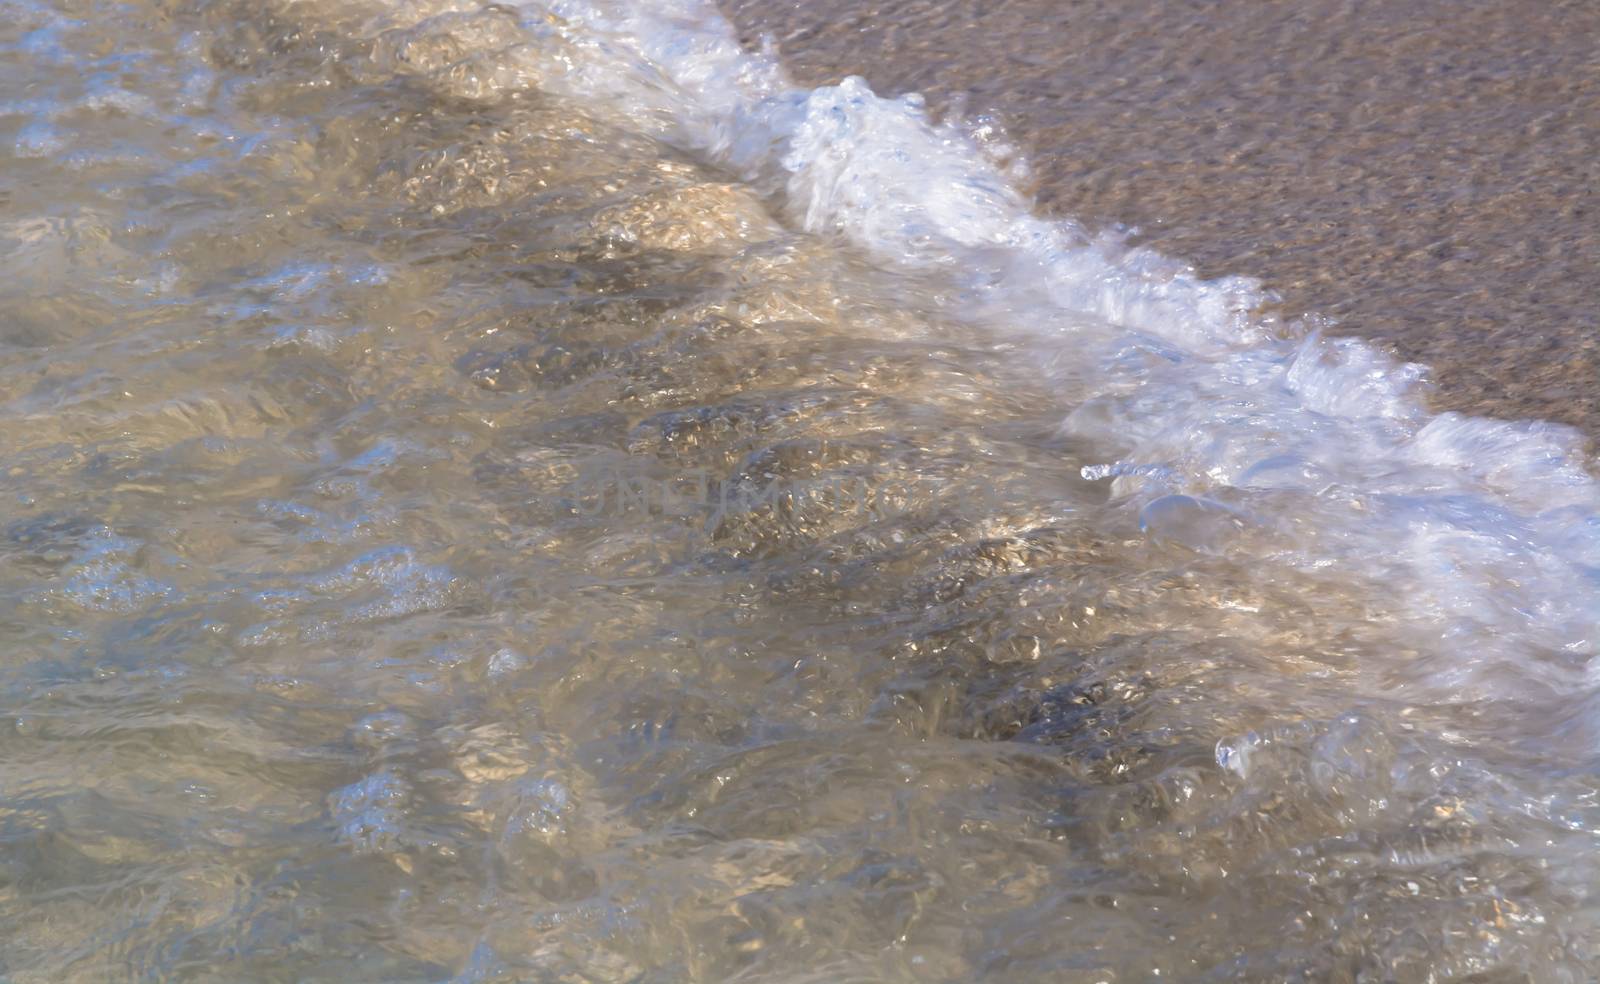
[520, 494]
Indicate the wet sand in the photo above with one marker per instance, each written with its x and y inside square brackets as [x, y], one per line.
[1422, 172]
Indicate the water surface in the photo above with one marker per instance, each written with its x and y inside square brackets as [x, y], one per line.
[526, 494]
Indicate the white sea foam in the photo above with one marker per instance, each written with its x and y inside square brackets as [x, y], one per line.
[1484, 534]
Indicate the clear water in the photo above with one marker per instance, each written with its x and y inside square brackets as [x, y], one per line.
[521, 493]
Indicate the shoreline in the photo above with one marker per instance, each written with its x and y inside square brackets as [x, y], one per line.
[1425, 181]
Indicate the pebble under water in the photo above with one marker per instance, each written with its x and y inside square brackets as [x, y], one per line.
[469, 514]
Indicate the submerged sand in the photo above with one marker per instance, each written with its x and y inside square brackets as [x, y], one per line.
[1422, 172]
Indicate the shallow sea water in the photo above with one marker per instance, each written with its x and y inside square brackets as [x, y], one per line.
[521, 493]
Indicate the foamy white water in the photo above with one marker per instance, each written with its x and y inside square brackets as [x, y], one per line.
[1489, 530]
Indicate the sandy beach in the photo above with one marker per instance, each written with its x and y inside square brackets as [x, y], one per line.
[1423, 173]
